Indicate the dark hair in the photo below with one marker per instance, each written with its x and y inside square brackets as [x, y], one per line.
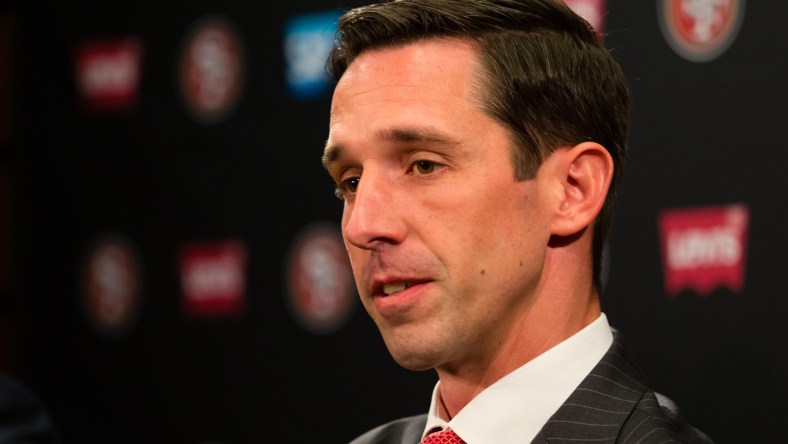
[547, 76]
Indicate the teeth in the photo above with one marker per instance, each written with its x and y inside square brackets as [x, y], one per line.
[395, 287]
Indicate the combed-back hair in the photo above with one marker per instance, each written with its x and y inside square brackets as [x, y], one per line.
[546, 74]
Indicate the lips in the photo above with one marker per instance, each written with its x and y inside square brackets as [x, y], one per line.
[394, 287]
[400, 300]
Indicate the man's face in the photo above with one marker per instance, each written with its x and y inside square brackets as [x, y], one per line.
[446, 246]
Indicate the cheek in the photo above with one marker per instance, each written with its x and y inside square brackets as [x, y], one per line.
[505, 234]
[500, 216]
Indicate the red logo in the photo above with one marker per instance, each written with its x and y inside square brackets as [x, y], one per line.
[108, 73]
[700, 30]
[211, 70]
[213, 278]
[319, 279]
[111, 283]
[704, 248]
[591, 10]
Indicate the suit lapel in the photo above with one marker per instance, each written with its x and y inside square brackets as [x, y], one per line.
[401, 431]
[596, 410]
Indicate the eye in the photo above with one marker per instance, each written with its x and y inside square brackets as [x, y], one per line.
[425, 166]
[346, 187]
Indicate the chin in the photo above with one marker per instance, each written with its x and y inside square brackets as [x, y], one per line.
[416, 357]
[414, 364]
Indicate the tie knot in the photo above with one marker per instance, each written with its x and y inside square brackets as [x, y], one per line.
[446, 436]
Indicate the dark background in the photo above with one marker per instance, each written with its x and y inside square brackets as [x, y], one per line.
[707, 133]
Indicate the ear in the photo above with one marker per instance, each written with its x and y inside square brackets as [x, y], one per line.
[580, 177]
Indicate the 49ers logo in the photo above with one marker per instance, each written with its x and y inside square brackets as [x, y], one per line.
[593, 11]
[211, 70]
[700, 30]
[320, 289]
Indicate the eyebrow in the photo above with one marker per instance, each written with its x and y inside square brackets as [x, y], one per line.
[330, 154]
[430, 136]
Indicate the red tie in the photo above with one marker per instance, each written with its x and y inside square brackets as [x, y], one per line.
[446, 436]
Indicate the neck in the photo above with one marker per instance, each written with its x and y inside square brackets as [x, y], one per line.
[562, 304]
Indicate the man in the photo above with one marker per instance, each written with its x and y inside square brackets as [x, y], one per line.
[477, 145]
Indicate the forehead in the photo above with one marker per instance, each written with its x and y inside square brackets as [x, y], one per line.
[442, 67]
[428, 84]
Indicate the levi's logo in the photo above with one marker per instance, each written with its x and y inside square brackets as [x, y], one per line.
[704, 248]
[213, 278]
[108, 72]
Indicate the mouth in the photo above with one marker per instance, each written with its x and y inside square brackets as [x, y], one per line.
[396, 300]
[395, 287]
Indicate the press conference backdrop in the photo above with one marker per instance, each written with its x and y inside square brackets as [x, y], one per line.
[175, 270]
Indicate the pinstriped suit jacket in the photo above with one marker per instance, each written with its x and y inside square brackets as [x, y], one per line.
[613, 404]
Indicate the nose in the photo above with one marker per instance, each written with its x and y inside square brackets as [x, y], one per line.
[374, 216]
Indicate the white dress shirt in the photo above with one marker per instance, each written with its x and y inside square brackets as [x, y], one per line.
[517, 406]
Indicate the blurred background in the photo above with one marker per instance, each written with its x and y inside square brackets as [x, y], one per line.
[171, 269]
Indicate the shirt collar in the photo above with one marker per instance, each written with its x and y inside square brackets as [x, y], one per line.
[517, 406]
